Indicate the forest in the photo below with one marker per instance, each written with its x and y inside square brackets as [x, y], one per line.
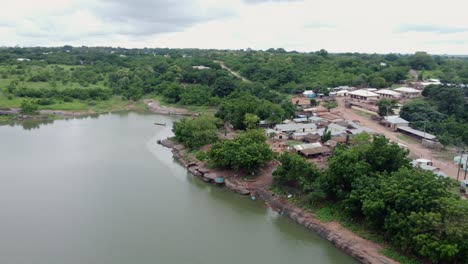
[80, 77]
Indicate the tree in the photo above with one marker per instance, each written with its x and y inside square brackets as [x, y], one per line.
[313, 102]
[251, 121]
[364, 158]
[295, 171]
[415, 209]
[28, 108]
[223, 86]
[194, 133]
[378, 82]
[387, 106]
[326, 135]
[422, 61]
[247, 151]
[330, 105]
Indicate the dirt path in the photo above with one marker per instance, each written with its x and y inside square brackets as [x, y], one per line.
[224, 67]
[155, 107]
[416, 150]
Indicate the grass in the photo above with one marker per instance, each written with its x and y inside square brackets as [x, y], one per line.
[332, 212]
[407, 139]
[362, 113]
[398, 257]
[292, 143]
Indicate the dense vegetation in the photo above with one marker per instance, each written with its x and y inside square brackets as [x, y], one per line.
[246, 152]
[373, 183]
[197, 132]
[86, 74]
[444, 112]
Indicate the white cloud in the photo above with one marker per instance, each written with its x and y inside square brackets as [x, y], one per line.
[307, 25]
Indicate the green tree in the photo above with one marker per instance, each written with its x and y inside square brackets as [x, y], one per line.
[387, 106]
[330, 105]
[251, 121]
[378, 82]
[326, 135]
[295, 171]
[421, 61]
[194, 133]
[28, 108]
[313, 102]
[247, 151]
[223, 86]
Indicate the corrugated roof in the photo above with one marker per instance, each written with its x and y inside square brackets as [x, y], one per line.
[407, 90]
[417, 132]
[315, 151]
[307, 146]
[387, 92]
[295, 127]
[364, 93]
[396, 120]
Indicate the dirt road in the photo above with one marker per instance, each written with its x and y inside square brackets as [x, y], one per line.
[224, 67]
[416, 150]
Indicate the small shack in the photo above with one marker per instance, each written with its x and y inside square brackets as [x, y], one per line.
[314, 152]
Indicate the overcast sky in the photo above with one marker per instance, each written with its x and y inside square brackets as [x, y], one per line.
[381, 26]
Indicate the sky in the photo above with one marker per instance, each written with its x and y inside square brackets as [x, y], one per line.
[368, 26]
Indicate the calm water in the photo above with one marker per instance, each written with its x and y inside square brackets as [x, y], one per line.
[101, 191]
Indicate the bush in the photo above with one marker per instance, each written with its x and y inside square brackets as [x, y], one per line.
[194, 133]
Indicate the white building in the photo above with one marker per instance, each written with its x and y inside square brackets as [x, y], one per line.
[363, 94]
[408, 92]
[342, 93]
[292, 128]
[395, 121]
[390, 94]
[201, 67]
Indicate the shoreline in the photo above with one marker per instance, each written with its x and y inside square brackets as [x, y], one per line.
[13, 114]
[357, 247]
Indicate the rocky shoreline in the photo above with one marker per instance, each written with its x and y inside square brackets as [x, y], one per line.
[359, 248]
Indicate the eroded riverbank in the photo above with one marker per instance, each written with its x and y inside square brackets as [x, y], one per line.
[359, 248]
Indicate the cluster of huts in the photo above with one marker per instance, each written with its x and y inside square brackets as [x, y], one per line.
[310, 134]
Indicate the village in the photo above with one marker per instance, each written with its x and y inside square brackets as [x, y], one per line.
[317, 128]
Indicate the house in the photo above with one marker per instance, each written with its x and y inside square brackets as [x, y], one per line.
[389, 94]
[23, 59]
[320, 122]
[307, 146]
[301, 120]
[264, 124]
[424, 164]
[311, 138]
[394, 122]
[363, 94]
[200, 67]
[314, 152]
[408, 92]
[292, 128]
[271, 133]
[301, 102]
[309, 94]
[342, 93]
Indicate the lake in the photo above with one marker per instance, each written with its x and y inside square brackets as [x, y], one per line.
[101, 191]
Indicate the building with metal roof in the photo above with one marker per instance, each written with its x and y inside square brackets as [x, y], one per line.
[363, 94]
